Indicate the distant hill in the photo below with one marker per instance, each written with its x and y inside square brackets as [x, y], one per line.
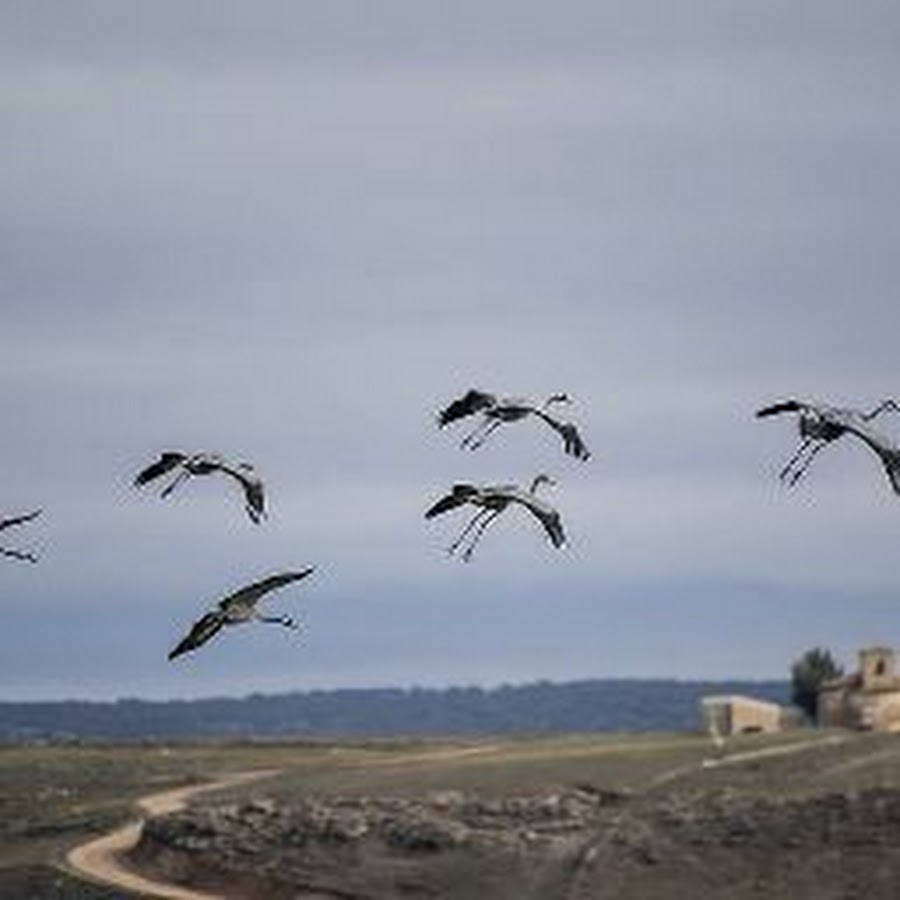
[541, 707]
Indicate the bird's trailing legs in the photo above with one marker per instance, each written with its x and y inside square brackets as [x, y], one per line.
[479, 531]
[475, 438]
[796, 466]
[812, 446]
[473, 522]
[183, 475]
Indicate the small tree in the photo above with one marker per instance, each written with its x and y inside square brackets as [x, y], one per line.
[808, 674]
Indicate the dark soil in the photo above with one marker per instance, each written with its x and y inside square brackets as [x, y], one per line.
[820, 824]
[46, 883]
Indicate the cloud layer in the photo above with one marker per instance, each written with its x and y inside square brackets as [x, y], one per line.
[291, 233]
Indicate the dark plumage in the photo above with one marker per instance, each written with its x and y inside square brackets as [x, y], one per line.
[492, 500]
[11, 522]
[497, 411]
[239, 607]
[205, 464]
[820, 425]
[471, 402]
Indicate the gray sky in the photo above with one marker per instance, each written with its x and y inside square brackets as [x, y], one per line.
[290, 232]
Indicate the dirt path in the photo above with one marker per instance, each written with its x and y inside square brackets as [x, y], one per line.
[102, 858]
[427, 756]
[734, 759]
[589, 852]
[779, 750]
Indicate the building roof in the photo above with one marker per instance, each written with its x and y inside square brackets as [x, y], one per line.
[739, 700]
[843, 681]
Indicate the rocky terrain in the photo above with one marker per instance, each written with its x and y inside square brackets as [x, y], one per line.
[446, 843]
[574, 843]
[727, 845]
[632, 817]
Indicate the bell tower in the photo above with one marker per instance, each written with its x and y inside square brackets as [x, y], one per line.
[876, 667]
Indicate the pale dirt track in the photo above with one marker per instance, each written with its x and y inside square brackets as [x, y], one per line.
[733, 759]
[736, 758]
[102, 859]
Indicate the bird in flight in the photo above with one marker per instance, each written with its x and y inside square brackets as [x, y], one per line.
[206, 464]
[492, 500]
[239, 607]
[9, 523]
[495, 411]
[820, 425]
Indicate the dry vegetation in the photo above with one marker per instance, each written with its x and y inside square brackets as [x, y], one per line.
[53, 797]
[615, 816]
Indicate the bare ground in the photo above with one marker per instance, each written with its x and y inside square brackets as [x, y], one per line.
[630, 817]
[810, 816]
[104, 859]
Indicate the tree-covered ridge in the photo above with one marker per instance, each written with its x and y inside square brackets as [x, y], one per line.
[590, 705]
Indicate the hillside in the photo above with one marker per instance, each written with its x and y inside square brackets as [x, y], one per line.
[809, 816]
[540, 707]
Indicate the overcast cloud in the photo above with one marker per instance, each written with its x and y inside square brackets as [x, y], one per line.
[291, 231]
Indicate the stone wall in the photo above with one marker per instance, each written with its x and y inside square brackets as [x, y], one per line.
[737, 715]
[868, 700]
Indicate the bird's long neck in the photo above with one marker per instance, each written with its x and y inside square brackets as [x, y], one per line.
[537, 482]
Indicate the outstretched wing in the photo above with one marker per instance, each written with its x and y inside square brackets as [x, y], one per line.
[891, 463]
[574, 445]
[471, 402]
[18, 554]
[254, 493]
[552, 522]
[250, 593]
[255, 497]
[166, 462]
[572, 442]
[252, 485]
[19, 520]
[547, 515]
[201, 631]
[460, 494]
[775, 409]
[886, 449]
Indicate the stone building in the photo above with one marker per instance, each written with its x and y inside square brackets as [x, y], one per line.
[729, 714]
[868, 699]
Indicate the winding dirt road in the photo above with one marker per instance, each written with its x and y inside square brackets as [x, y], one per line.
[102, 859]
